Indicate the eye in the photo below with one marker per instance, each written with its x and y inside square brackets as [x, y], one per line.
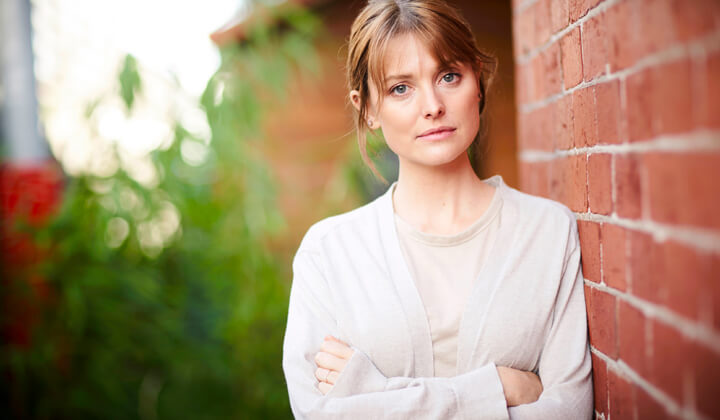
[399, 89]
[450, 77]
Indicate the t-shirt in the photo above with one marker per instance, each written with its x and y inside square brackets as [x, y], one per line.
[445, 268]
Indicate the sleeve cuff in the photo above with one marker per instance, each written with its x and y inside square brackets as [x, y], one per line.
[481, 391]
[360, 376]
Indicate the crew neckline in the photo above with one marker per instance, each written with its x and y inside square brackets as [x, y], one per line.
[464, 235]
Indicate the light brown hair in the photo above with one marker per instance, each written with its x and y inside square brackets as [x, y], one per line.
[441, 26]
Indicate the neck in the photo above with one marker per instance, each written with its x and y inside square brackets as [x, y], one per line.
[440, 199]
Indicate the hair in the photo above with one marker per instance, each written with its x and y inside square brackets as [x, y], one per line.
[447, 34]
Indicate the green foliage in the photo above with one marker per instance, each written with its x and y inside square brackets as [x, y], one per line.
[359, 176]
[165, 300]
[129, 81]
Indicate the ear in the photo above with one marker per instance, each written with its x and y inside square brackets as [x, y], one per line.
[478, 74]
[355, 99]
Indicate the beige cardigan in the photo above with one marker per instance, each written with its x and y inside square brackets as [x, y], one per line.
[526, 311]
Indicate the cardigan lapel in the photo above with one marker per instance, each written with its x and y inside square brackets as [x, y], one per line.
[476, 308]
[407, 292]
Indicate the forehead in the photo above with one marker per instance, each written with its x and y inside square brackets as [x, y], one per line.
[406, 53]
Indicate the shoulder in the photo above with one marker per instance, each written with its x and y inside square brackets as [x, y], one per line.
[540, 214]
[537, 207]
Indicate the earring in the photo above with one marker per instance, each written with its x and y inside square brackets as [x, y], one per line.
[370, 122]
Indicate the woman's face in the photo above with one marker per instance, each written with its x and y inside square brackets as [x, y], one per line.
[429, 114]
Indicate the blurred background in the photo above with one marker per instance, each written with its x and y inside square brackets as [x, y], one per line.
[161, 161]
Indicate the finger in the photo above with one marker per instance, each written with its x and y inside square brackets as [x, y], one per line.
[329, 361]
[324, 387]
[332, 377]
[336, 348]
[321, 374]
[332, 337]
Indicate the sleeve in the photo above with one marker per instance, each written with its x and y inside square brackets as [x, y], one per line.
[362, 391]
[565, 363]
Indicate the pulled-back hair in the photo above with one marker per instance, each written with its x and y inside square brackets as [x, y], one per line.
[439, 25]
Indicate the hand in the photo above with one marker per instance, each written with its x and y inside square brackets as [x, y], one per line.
[519, 386]
[331, 360]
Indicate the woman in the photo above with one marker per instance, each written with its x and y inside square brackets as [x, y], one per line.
[449, 296]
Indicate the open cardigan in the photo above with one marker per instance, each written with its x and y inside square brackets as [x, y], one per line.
[526, 311]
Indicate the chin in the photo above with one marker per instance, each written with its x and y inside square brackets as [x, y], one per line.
[441, 159]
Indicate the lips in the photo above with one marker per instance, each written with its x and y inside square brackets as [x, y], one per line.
[437, 132]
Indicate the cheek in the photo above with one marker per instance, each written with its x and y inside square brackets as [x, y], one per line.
[470, 108]
[398, 120]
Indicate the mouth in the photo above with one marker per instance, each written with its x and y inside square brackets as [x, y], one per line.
[437, 133]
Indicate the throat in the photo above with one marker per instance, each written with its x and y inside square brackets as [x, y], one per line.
[443, 212]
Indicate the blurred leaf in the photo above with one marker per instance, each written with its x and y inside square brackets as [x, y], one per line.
[129, 81]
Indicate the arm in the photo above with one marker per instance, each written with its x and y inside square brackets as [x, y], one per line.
[519, 387]
[361, 390]
[565, 363]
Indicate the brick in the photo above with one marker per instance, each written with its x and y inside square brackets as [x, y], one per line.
[639, 106]
[538, 78]
[623, 35]
[672, 105]
[707, 91]
[656, 26]
[559, 16]
[585, 117]
[601, 321]
[609, 111]
[648, 408]
[614, 258]
[536, 129]
[672, 275]
[579, 8]
[627, 186]
[590, 249]
[600, 384]
[524, 128]
[568, 182]
[714, 291]
[542, 22]
[713, 89]
[683, 189]
[621, 397]
[600, 183]
[632, 346]
[523, 83]
[571, 55]
[645, 253]
[707, 379]
[688, 276]
[594, 47]
[670, 365]
[534, 178]
[551, 68]
[563, 123]
[544, 127]
[524, 32]
[694, 22]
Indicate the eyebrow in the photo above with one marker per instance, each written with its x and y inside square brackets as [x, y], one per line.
[409, 76]
[398, 76]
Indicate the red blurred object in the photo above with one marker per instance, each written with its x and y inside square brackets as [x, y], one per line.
[28, 193]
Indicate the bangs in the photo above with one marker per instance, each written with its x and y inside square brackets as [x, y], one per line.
[449, 43]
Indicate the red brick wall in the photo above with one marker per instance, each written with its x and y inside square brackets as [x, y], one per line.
[619, 119]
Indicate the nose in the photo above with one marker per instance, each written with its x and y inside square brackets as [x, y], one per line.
[433, 106]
